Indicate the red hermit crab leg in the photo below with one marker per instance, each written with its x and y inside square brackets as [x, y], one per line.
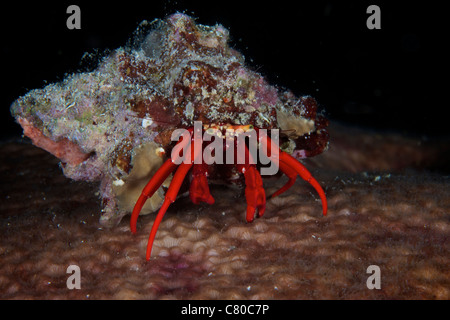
[254, 191]
[170, 197]
[151, 187]
[171, 193]
[199, 189]
[291, 174]
[306, 175]
[155, 182]
[288, 164]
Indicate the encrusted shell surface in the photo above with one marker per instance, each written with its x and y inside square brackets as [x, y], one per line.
[113, 124]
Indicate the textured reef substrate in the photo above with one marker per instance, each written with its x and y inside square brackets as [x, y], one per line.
[384, 209]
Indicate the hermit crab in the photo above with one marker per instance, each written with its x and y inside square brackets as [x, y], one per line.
[192, 145]
[177, 104]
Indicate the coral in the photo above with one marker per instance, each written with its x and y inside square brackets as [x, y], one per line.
[97, 123]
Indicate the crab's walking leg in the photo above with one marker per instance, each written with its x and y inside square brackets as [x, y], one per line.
[267, 145]
[306, 175]
[289, 165]
[254, 190]
[155, 182]
[291, 174]
[199, 189]
[170, 197]
[172, 193]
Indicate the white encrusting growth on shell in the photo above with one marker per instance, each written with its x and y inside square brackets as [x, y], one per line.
[146, 122]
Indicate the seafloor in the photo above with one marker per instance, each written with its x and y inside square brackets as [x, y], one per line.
[389, 205]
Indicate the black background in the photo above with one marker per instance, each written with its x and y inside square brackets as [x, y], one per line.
[389, 79]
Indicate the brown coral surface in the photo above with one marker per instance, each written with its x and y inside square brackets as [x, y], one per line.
[384, 210]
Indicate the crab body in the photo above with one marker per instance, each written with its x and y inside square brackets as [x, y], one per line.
[116, 124]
